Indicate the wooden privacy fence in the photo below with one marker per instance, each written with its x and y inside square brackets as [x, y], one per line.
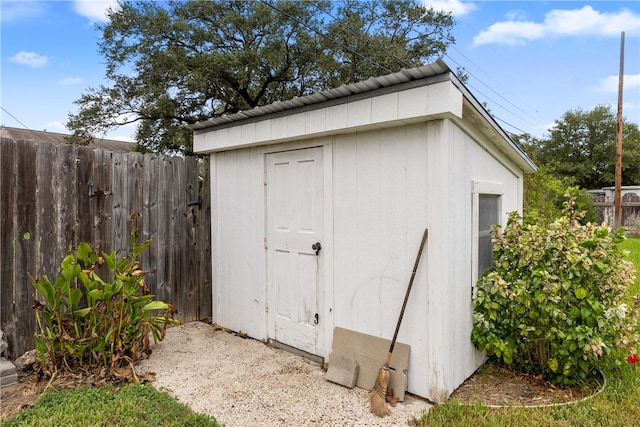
[53, 196]
[603, 201]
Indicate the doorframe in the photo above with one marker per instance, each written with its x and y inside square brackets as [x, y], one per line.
[326, 287]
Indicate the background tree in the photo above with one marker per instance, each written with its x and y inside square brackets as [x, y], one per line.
[582, 148]
[176, 63]
[545, 195]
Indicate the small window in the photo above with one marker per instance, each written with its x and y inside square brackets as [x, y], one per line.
[488, 211]
[486, 207]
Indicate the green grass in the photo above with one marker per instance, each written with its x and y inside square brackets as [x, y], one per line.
[131, 405]
[618, 405]
[632, 244]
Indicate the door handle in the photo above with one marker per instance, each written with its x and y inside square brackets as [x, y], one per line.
[316, 247]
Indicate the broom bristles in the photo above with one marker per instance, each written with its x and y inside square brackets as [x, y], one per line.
[378, 394]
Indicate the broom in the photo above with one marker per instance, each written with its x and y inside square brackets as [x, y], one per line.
[378, 395]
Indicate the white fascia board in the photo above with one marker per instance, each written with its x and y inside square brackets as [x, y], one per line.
[422, 103]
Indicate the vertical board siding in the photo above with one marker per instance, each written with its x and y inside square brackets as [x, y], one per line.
[45, 209]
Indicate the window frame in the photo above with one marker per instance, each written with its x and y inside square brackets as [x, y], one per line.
[481, 188]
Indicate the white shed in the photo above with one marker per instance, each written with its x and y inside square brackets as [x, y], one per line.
[361, 170]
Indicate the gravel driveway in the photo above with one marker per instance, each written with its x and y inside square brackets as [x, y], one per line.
[243, 382]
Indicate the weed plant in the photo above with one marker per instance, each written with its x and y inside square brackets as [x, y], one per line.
[87, 324]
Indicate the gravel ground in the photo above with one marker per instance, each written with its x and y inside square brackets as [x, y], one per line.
[243, 382]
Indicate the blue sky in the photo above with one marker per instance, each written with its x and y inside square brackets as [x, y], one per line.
[530, 61]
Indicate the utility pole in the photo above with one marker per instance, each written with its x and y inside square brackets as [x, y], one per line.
[618, 198]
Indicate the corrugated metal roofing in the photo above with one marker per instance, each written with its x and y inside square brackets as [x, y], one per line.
[369, 85]
[421, 75]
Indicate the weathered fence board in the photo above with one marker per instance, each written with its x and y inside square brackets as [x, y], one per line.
[52, 197]
[7, 233]
[26, 238]
[603, 200]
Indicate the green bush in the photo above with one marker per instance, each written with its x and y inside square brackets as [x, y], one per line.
[556, 302]
[94, 326]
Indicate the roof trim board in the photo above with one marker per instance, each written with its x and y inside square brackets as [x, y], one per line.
[403, 80]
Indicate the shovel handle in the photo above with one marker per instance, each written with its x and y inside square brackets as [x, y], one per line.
[406, 296]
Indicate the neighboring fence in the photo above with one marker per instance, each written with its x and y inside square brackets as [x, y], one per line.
[53, 196]
[603, 200]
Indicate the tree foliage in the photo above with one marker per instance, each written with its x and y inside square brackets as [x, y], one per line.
[545, 196]
[176, 63]
[582, 148]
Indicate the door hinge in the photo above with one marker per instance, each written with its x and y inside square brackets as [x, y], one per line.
[266, 307]
[266, 245]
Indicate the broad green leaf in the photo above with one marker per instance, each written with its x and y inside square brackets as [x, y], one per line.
[45, 288]
[74, 298]
[95, 295]
[155, 305]
[580, 293]
[84, 278]
[82, 312]
[41, 347]
[553, 365]
[86, 254]
[138, 249]
[110, 259]
[71, 271]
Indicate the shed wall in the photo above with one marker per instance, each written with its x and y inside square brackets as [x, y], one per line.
[237, 241]
[390, 185]
[469, 160]
[387, 185]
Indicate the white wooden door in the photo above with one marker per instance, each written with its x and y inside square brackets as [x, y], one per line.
[294, 192]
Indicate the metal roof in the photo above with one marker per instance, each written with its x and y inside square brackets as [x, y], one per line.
[344, 91]
[373, 86]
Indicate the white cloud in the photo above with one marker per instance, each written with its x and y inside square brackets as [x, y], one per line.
[456, 7]
[610, 84]
[30, 59]
[15, 11]
[559, 23]
[94, 10]
[70, 81]
[509, 32]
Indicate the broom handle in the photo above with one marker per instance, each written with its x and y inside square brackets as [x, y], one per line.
[406, 296]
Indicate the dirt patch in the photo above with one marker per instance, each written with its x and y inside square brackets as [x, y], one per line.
[20, 395]
[493, 385]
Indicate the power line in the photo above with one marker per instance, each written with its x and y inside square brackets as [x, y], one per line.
[491, 89]
[359, 34]
[490, 77]
[400, 60]
[371, 61]
[501, 106]
[14, 117]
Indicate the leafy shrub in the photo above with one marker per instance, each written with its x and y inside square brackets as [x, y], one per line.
[92, 325]
[556, 302]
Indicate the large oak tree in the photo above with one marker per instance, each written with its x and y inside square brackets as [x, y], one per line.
[176, 63]
[581, 148]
